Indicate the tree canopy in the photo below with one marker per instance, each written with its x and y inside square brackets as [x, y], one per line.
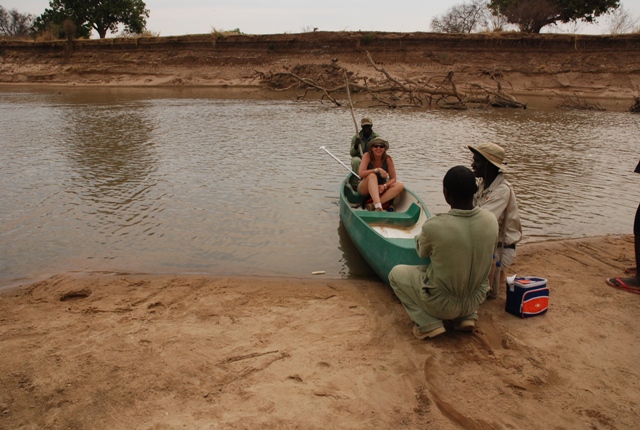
[531, 15]
[99, 15]
[463, 18]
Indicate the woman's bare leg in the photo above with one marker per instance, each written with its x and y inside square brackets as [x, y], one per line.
[369, 187]
[391, 193]
[373, 188]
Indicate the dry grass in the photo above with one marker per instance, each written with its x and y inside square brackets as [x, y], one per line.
[47, 36]
[223, 33]
[16, 38]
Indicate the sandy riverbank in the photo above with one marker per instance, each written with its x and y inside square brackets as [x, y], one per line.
[534, 68]
[117, 351]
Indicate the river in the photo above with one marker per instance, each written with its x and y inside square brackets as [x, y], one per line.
[183, 181]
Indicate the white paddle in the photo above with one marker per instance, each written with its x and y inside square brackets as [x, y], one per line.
[338, 160]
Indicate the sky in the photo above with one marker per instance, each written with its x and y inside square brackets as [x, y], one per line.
[174, 18]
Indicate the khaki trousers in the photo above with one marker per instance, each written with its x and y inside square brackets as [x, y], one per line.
[428, 306]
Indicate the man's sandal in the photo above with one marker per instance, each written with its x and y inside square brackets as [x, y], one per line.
[621, 283]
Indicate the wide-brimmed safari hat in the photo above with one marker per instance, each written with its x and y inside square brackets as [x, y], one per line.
[378, 141]
[366, 121]
[493, 153]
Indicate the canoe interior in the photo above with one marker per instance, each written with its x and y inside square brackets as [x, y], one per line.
[405, 222]
[384, 239]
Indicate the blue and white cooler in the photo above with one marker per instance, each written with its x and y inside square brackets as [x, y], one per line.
[527, 296]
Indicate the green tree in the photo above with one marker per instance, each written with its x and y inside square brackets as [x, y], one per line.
[531, 15]
[99, 15]
[53, 21]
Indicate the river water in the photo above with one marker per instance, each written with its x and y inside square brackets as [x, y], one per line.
[183, 181]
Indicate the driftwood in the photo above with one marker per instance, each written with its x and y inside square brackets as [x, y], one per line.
[389, 90]
[308, 83]
[579, 103]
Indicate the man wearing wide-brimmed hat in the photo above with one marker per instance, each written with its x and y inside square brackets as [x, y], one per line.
[360, 144]
[496, 195]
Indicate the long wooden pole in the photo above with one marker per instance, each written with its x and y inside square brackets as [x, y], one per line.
[355, 123]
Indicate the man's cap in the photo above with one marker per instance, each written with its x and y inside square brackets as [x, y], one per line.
[378, 141]
[493, 153]
[366, 121]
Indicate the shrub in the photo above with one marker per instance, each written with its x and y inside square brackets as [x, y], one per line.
[368, 38]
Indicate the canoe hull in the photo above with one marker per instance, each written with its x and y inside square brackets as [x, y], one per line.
[384, 239]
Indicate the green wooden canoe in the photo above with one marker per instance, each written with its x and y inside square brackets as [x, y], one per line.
[384, 239]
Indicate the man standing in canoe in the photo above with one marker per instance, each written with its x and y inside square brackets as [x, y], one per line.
[360, 144]
[496, 195]
[460, 245]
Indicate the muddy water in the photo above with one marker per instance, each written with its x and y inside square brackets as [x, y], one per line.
[182, 181]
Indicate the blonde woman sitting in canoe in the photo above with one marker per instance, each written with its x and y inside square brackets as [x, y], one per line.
[378, 175]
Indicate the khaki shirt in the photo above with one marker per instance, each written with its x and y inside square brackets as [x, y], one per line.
[365, 143]
[495, 200]
[460, 245]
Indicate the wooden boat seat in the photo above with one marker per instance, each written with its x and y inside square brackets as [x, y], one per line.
[396, 219]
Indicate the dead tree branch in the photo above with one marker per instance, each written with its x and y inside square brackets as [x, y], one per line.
[392, 91]
[579, 103]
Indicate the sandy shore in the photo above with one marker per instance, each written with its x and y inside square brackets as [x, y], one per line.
[112, 351]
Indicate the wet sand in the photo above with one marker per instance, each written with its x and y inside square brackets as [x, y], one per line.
[120, 351]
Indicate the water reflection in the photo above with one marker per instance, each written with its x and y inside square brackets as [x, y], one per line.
[110, 184]
[111, 152]
[353, 264]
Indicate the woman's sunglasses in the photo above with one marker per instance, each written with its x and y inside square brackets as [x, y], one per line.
[377, 146]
